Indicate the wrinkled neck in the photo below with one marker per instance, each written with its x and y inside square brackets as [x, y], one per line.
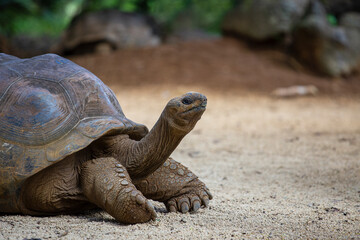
[143, 157]
[155, 148]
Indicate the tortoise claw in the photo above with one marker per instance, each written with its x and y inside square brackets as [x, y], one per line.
[191, 201]
[171, 206]
[184, 207]
[196, 206]
[206, 202]
[172, 209]
[151, 209]
[209, 193]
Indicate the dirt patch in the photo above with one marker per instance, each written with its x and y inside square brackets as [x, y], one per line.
[225, 64]
[277, 168]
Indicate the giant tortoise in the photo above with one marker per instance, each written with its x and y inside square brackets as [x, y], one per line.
[106, 30]
[66, 146]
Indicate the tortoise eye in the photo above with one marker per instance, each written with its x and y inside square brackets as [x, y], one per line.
[187, 101]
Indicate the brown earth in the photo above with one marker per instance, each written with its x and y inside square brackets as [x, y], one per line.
[225, 64]
[278, 168]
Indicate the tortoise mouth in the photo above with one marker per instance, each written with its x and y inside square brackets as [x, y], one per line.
[199, 108]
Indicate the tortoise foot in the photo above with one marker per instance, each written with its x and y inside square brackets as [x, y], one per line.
[106, 183]
[176, 186]
[196, 196]
[135, 207]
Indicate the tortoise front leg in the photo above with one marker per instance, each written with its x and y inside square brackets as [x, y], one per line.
[176, 186]
[106, 183]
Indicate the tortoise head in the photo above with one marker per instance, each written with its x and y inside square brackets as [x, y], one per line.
[183, 112]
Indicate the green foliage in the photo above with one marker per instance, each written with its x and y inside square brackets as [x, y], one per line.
[37, 17]
[124, 5]
[207, 14]
[332, 19]
[211, 13]
[165, 10]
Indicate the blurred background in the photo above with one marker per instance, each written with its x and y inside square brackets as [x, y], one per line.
[322, 35]
[26, 21]
[306, 41]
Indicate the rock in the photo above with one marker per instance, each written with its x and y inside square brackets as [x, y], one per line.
[331, 50]
[5, 44]
[339, 7]
[191, 35]
[264, 19]
[350, 20]
[114, 28]
[25, 46]
[295, 91]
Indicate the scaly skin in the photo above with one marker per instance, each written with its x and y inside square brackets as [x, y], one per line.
[75, 184]
[56, 189]
[106, 183]
[176, 186]
[101, 175]
[143, 157]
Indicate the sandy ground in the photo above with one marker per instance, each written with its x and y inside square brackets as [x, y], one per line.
[278, 168]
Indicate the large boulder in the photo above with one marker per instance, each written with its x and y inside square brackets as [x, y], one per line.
[25, 46]
[339, 7]
[264, 19]
[106, 30]
[350, 20]
[332, 50]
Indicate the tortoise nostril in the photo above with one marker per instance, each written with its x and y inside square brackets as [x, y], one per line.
[204, 103]
[187, 101]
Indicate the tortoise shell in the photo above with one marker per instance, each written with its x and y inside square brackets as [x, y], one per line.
[118, 29]
[50, 108]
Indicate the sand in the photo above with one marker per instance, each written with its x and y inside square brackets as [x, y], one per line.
[278, 168]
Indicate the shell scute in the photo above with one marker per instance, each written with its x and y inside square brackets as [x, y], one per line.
[45, 67]
[90, 96]
[9, 153]
[71, 141]
[49, 109]
[35, 112]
